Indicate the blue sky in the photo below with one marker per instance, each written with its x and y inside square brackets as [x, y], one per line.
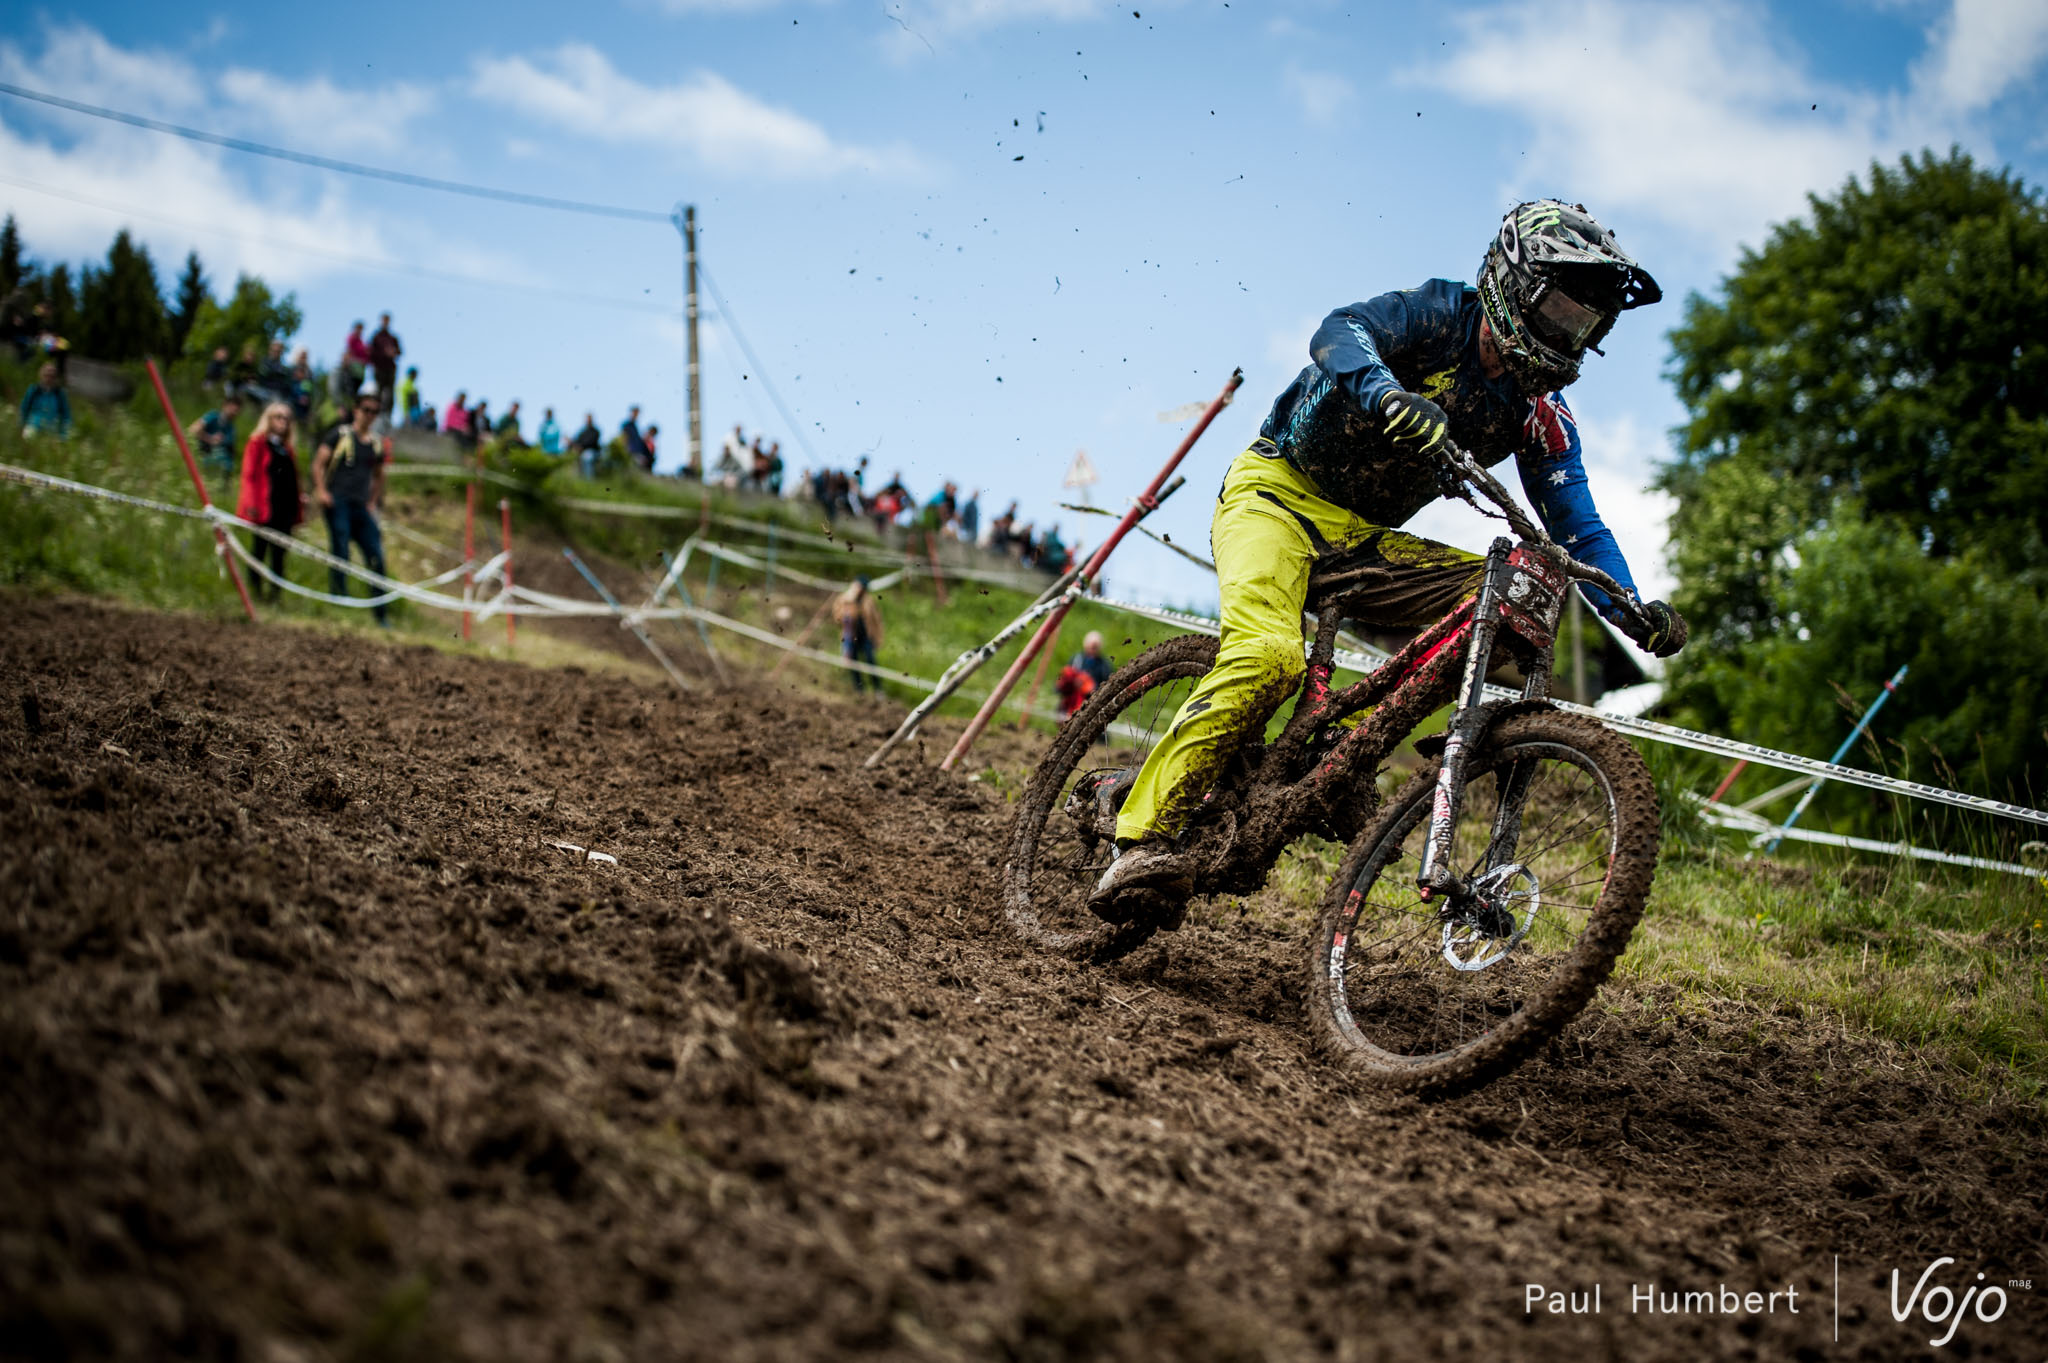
[1198, 184]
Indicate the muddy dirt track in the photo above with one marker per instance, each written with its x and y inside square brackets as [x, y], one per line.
[314, 1048]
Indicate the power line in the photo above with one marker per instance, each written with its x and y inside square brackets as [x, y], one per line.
[329, 163]
[358, 262]
[725, 315]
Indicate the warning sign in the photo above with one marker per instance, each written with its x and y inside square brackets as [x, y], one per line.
[1081, 473]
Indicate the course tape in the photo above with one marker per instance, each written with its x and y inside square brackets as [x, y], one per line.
[1762, 830]
[31, 478]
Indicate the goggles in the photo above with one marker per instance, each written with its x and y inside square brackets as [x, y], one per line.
[1565, 323]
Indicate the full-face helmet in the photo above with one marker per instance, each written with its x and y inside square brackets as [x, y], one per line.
[1551, 285]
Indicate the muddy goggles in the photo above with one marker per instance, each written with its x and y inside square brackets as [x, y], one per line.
[1563, 323]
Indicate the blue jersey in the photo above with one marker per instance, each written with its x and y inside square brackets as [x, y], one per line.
[1426, 340]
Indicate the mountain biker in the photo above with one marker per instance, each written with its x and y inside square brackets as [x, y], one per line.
[1351, 450]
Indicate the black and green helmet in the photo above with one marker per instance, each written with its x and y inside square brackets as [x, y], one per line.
[1551, 285]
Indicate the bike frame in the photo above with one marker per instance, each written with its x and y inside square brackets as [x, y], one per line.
[1270, 803]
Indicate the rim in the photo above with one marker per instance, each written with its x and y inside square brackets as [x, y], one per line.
[1059, 860]
[1394, 993]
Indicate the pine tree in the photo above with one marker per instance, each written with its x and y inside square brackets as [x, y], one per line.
[62, 316]
[192, 294]
[13, 268]
[123, 305]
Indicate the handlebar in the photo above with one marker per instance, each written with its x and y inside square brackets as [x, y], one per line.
[1470, 471]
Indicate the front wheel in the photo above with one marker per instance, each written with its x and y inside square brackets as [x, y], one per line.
[1065, 832]
[1442, 996]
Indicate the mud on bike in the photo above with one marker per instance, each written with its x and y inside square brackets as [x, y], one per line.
[1475, 911]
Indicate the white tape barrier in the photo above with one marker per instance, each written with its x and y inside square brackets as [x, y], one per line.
[1762, 830]
[31, 478]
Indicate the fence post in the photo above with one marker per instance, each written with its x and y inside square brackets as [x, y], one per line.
[505, 535]
[220, 535]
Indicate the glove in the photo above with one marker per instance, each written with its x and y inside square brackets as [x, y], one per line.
[1663, 634]
[1415, 424]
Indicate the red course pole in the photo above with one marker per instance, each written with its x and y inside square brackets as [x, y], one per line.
[220, 534]
[505, 533]
[468, 554]
[1147, 500]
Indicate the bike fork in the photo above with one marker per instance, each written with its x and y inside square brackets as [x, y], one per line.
[1436, 877]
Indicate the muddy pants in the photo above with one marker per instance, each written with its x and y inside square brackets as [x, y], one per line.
[1271, 526]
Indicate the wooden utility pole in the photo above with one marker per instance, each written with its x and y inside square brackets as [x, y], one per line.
[686, 223]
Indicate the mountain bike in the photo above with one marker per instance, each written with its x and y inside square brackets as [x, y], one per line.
[1476, 909]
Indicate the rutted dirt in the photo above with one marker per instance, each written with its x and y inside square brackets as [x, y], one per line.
[315, 1048]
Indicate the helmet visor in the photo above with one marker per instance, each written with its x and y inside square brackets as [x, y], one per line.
[1564, 322]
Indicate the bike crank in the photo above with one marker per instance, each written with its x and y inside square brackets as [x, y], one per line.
[1483, 924]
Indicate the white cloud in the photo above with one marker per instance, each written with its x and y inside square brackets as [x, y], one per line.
[317, 113]
[1980, 49]
[577, 88]
[73, 187]
[79, 63]
[1322, 95]
[1691, 113]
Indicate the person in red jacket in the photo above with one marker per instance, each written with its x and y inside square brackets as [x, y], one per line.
[270, 487]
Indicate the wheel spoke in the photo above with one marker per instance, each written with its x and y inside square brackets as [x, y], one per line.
[1396, 1003]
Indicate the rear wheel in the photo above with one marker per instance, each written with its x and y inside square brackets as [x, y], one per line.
[1440, 996]
[1065, 831]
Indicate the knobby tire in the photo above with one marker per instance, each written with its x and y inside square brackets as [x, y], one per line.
[1613, 766]
[1025, 882]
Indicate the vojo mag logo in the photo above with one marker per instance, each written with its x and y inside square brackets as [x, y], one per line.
[1940, 1307]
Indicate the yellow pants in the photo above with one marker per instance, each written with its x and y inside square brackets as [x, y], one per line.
[1270, 527]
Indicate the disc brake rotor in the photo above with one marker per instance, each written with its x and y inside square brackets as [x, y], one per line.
[1502, 906]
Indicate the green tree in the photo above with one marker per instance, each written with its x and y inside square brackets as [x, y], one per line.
[57, 292]
[122, 305]
[1885, 347]
[14, 269]
[1862, 480]
[250, 316]
[192, 294]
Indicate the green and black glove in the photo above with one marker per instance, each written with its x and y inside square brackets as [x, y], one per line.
[1663, 634]
[1415, 424]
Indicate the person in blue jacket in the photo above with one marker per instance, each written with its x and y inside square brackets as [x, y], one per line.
[1351, 451]
[46, 408]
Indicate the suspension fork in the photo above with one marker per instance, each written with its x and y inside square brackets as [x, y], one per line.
[1514, 784]
[1435, 876]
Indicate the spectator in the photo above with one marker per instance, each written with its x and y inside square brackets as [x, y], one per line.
[653, 448]
[1087, 670]
[455, 421]
[728, 471]
[508, 426]
[384, 353]
[860, 629]
[549, 435]
[733, 452]
[1052, 551]
[214, 434]
[757, 466]
[302, 386]
[273, 378]
[775, 468]
[587, 443]
[480, 431]
[409, 395]
[629, 432]
[270, 488]
[426, 422]
[46, 408]
[348, 482]
[217, 370]
[242, 373]
[970, 518]
[355, 359]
